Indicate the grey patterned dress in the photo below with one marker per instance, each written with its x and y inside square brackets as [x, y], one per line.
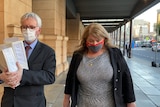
[95, 76]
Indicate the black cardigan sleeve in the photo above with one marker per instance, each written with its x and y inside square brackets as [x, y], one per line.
[127, 83]
[71, 79]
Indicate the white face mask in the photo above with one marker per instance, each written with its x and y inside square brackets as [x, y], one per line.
[29, 35]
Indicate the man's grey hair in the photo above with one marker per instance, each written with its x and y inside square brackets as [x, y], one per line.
[32, 15]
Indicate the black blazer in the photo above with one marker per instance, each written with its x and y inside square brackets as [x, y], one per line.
[122, 81]
[30, 93]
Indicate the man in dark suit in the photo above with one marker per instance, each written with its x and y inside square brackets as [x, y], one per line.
[27, 86]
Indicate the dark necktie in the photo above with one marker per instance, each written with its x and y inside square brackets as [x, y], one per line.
[27, 49]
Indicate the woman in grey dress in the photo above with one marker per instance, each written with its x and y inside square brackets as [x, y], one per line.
[98, 75]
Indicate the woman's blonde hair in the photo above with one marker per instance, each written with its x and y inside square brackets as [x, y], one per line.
[97, 31]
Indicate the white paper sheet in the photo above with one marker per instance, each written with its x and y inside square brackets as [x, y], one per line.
[18, 48]
[10, 59]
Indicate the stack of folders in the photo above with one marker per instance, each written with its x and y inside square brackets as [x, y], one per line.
[10, 53]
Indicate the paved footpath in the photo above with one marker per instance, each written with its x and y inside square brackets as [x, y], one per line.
[146, 81]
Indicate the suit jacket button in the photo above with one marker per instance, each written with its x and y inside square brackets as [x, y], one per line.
[116, 80]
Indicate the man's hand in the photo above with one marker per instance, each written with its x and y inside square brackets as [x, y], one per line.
[4, 76]
[12, 78]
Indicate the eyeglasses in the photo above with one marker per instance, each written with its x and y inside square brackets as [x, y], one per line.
[29, 27]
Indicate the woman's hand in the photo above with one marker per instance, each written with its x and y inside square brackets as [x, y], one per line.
[66, 101]
[131, 104]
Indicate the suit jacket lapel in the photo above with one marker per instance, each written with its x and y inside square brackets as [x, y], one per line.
[35, 52]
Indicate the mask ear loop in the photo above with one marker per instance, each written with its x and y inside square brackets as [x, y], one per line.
[105, 41]
[101, 42]
[38, 31]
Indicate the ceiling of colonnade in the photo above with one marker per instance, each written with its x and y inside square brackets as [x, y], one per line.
[110, 13]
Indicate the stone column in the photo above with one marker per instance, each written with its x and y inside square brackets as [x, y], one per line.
[53, 14]
[10, 17]
[2, 21]
[74, 32]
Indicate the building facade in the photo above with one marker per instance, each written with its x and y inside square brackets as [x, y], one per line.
[54, 32]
